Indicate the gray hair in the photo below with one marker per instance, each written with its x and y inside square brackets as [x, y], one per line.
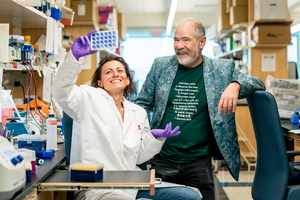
[199, 30]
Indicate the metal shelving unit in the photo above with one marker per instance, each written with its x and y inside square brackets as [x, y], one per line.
[232, 52]
[21, 15]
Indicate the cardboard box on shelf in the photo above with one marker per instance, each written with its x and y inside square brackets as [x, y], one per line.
[67, 16]
[277, 9]
[212, 32]
[221, 7]
[238, 14]
[239, 2]
[228, 5]
[277, 65]
[223, 22]
[85, 10]
[122, 26]
[271, 34]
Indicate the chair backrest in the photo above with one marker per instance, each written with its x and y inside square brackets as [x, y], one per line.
[67, 127]
[272, 170]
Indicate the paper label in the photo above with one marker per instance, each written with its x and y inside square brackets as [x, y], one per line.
[81, 10]
[52, 122]
[268, 62]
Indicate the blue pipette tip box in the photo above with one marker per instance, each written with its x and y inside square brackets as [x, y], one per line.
[86, 172]
[104, 40]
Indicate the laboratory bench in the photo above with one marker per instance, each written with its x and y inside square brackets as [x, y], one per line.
[43, 172]
[292, 139]
[48, 179]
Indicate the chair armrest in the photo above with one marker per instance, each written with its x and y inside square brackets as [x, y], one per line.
[297, 168]
[165, 171]
[293, 153]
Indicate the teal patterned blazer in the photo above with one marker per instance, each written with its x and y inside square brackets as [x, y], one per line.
[218, 74]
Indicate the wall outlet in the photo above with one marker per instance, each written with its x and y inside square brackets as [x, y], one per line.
[9, 79]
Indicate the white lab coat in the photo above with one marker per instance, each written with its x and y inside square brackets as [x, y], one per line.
[99, 134]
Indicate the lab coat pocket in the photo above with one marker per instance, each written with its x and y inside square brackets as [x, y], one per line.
[133, 141]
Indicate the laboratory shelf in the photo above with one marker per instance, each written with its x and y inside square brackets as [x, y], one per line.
[15, 67]
[236, 50]
[21, 15]
[236, 28]
[268, 22]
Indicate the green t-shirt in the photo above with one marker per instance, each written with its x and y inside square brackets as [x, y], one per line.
[187, 108]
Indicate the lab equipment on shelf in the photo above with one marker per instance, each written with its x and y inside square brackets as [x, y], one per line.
[16, 43]
[12, 170]
[29, 157]
[18, 127]
[33, 142]
[27, 50]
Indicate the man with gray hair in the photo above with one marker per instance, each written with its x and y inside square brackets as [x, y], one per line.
[200, 95]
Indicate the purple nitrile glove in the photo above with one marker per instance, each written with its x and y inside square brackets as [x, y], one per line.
[81, 45]
[167, 132]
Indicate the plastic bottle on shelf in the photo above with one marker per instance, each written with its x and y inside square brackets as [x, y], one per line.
[51, 130]
[37, 56]
[27, 50]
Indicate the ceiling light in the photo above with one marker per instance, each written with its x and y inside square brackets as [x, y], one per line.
[295, 28]
[171, 16]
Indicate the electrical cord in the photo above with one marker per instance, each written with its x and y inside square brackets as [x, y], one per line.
[17, 84]
[31, 71]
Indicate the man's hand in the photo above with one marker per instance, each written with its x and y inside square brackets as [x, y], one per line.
[229, 98]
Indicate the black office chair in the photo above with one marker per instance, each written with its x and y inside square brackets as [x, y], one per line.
[67, 127]
[272, 169]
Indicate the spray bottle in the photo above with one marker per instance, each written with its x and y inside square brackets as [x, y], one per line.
[51, 130]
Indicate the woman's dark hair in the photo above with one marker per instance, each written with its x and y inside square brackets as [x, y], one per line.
[130, 90]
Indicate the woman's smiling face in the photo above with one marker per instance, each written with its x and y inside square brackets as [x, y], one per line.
[113, 77]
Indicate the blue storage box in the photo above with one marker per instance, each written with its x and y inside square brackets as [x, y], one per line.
[33, 142]
[89, 172]
[45, 154]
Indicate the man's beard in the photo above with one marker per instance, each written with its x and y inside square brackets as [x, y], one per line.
[190, 59]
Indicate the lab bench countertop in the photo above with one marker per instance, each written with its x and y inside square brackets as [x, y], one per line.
[43, 172]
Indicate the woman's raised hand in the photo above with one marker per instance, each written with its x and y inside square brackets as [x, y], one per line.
[81, 45]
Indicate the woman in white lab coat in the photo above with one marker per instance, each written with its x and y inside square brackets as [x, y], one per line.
[107, 128]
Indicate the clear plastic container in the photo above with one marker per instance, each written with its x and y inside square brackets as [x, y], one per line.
[33, 142]
[29, 156]
[37, 56]
[51, 62]
[288, 84]
[286, 99]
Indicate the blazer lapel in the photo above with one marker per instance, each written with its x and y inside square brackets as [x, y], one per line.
[209, 81]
